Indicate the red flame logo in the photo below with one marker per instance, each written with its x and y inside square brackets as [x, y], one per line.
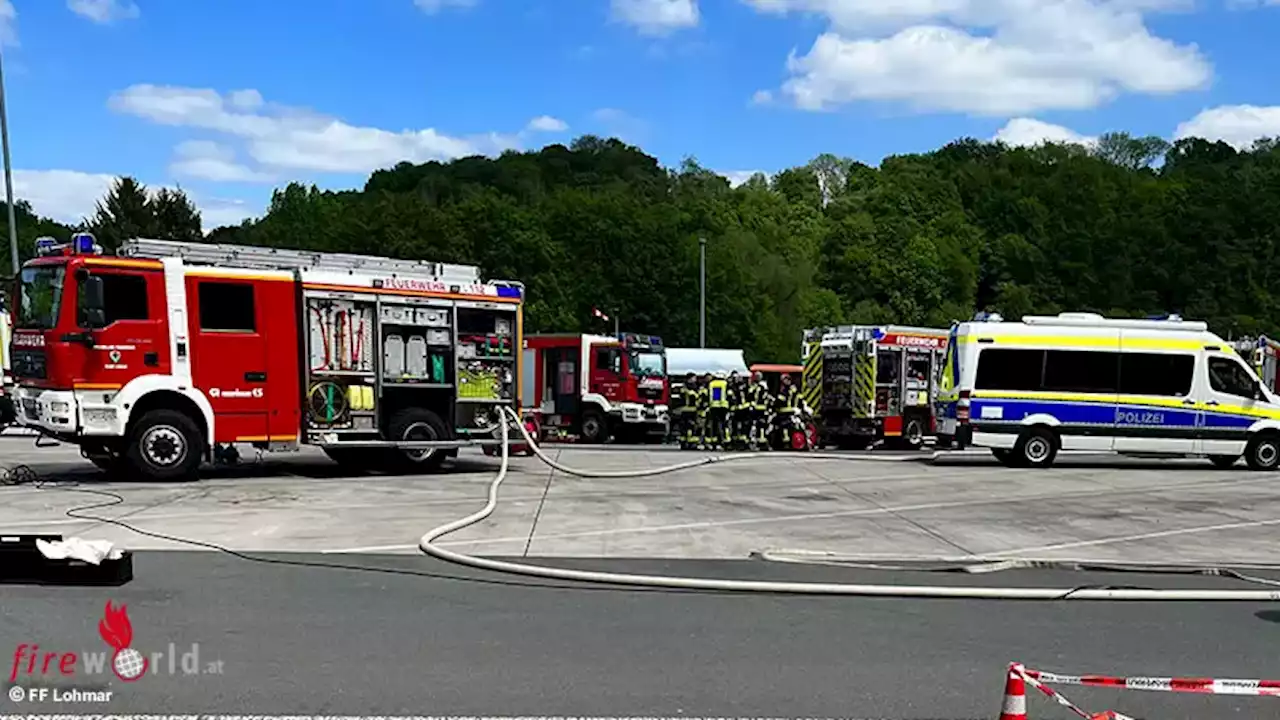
[115, 628]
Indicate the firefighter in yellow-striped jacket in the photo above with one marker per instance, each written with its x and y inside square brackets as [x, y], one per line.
[759, 398]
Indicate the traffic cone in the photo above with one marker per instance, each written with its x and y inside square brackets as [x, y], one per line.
[1015, 695]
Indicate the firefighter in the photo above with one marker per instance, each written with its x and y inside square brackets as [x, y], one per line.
[759, 398]
[786, 404]
[716, 434]
[740, 409]
[687, 413]
[703, 405]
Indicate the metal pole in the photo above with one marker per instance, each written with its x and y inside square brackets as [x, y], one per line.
[702, 292]
[8, 172]
[616, 331]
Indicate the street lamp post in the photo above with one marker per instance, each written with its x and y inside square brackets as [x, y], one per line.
[702, 292]
[8, 171]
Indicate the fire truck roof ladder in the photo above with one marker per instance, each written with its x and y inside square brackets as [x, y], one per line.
[263, 258]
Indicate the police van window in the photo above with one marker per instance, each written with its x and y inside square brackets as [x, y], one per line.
[1164, 374]
[124, 298]
[227, 307]
[1000, 369]
[1081, 371]
[1230, 377]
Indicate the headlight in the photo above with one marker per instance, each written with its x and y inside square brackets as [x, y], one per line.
[58, 407]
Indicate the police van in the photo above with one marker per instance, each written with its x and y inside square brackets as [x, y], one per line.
[1079, 381]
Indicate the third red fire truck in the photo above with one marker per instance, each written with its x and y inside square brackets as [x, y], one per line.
[868, 384]
[596, 386]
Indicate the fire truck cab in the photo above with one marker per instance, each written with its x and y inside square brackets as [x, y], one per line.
[596, 386]
[869, 384]
[171, 353]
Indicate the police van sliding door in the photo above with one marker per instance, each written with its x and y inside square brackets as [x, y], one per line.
[1157, 404]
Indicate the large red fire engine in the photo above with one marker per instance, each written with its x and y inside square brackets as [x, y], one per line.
[596, 386]
[171, 353]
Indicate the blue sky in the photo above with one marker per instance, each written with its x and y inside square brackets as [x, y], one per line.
[231, 98]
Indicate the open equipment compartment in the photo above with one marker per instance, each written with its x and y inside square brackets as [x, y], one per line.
[341, 385]
[487, 364]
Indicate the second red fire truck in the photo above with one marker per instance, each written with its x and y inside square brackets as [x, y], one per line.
[597, 387]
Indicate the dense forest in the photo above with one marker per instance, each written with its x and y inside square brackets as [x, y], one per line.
[1127, 227]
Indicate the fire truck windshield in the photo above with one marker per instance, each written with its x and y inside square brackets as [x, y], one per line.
[647, 364]
[41, 296]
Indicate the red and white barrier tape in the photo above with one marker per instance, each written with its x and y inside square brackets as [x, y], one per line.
[1203, 686]
[1033, 678]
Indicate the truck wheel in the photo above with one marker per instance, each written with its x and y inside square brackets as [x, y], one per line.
[913, 433]
[1263, 452]
[594, 427]
[1036, 448]
[164, 445]
[417, 424]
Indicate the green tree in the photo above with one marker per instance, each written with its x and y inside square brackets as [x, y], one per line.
[124, 213]
[175, 216]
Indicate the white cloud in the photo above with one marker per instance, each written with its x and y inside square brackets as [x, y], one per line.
[656, 17]
[279, 137]
[8, 23]
[217, 212]
[547, 124]
[432, 7]
[104, 11]
[1028, 132]
[1236, 125]
[993, 57]
[762, 97]
[70, 196]
[67, 196]
[207, 160]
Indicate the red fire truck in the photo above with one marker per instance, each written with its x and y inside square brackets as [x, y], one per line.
[171, 353]
[597, 387]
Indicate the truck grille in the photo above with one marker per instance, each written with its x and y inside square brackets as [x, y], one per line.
[651, 394]
[30, 364]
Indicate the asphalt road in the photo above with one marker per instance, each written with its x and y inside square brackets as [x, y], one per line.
[412, 636]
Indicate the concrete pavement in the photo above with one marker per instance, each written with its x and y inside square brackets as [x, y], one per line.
[1101, 510]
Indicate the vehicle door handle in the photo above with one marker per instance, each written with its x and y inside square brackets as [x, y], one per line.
[1188, 402]
[255, 377]
[1212, 402]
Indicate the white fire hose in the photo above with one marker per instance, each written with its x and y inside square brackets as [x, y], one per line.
[428, 546]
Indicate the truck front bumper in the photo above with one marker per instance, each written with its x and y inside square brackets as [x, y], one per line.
[637, 414]
[67, 412]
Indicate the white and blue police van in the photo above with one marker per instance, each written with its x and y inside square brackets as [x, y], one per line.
[1079, 381]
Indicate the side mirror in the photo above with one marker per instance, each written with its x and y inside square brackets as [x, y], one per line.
[93, 302]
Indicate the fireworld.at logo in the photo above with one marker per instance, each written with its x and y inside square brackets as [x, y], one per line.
[126, 662]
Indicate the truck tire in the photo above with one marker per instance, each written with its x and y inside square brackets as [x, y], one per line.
[416, 424]
[1036, 448]
[164, 445]
[595, 428]
[1263, 452]
[913, 433]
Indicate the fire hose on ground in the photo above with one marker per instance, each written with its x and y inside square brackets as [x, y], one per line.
[428, 546]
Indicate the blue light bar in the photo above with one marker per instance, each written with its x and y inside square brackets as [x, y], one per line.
[83, 243]
[508, 292]
[45, 242]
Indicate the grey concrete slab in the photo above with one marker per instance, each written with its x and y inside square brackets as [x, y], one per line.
[869, 505]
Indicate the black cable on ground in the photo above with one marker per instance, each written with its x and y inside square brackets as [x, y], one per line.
[25, 475]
